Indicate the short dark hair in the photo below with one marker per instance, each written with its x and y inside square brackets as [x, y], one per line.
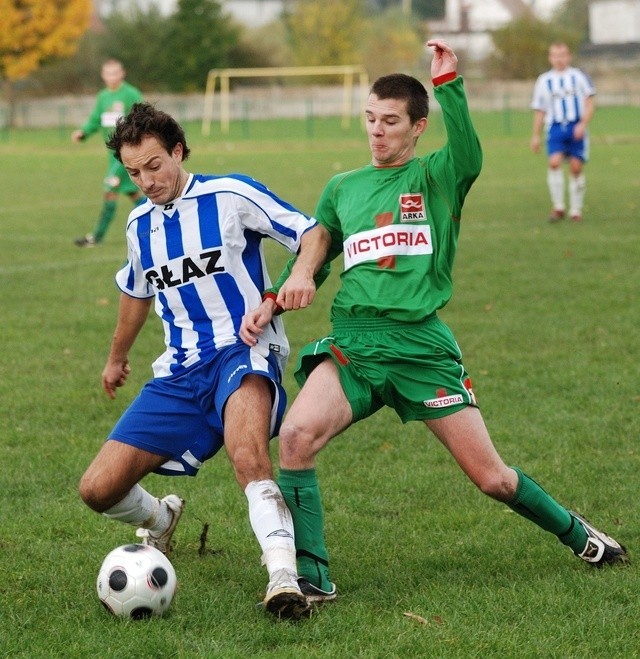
[404, 88]
[144, 120]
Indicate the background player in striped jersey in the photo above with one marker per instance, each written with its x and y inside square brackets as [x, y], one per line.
[563, 102]
[195, 248]
[388, 347]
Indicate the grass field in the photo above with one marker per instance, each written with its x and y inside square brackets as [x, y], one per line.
[547, 317]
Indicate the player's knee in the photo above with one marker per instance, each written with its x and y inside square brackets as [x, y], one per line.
[498, 484]
[250, 465]
[296, 442]
[93, 493]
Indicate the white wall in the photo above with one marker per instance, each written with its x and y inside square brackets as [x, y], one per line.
[614, 21]
[254, 13]
[490, 14]
[544, 8]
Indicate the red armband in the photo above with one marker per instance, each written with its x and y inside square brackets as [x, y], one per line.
[272, 296]
[446, 77]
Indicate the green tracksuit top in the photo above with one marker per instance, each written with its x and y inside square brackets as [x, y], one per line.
[110, 106]
[397, 227]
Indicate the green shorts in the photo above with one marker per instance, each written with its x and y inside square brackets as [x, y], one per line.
[414, 368]
[117, 178]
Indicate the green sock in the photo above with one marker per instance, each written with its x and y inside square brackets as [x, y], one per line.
[106, 216]
[533, 503]
[302, 495]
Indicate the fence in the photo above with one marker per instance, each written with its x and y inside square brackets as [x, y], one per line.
[278, 102]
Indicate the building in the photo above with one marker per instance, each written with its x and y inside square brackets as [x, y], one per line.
[614, 22]
[467, 23]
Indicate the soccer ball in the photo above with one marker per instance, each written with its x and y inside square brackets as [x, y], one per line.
[136, 581]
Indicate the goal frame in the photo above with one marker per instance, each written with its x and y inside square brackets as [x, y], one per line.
[348, 72]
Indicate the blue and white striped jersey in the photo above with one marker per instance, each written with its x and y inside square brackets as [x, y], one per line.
[561, 95]
[201, 256]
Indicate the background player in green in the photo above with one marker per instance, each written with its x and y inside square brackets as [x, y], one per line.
[112, 102]
[396, 221]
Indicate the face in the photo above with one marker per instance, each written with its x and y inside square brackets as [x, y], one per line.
[392, 136]
[112, 74]
[158, 174]
[559, 57]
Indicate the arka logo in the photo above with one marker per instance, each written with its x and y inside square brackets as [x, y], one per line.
[412, 208]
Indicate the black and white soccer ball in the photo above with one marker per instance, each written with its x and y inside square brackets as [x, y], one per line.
[136, 581]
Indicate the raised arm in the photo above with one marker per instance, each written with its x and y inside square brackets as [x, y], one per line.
[445, 61]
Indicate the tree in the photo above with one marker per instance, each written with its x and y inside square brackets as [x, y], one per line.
[160, 53]
[201, 37]
[521, 48]
[573, 15]
[424, 9]
[324, 32]
[429, 9]
[393, 42]
[34, 31]
[138, 38]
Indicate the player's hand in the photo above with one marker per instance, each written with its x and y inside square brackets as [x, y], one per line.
[535, 143]
[255, 320]
[297, 292]
[77, 136]
[114, 375]
[444, 59]
[579, 131]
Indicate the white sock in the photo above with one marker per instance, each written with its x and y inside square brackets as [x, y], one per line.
[139, 508]
[272, 524]
[576, 194]
[555, 182]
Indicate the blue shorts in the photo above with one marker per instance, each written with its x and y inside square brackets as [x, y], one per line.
[180, 417]
[560, 140]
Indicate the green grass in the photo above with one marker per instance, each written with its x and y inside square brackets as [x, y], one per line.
[547, 318]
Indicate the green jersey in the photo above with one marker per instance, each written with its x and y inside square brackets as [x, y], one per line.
[110, 106]
[397, 227]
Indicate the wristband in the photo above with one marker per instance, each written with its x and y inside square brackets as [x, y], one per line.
[272, 296]
[446, 77]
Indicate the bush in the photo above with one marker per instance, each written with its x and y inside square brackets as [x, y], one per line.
[521, 48]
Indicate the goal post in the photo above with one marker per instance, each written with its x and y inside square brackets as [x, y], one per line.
[349, 73]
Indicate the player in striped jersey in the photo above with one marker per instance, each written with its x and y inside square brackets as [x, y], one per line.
[195, 248]
[563, 102]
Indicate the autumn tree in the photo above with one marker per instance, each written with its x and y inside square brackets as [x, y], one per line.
[34, 31]
[324, 33]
